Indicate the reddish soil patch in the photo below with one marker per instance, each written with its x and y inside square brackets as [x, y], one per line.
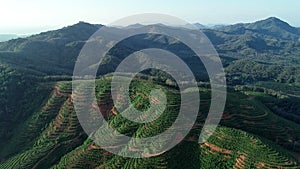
[263, 165]
[222, 137]
[114, 111]
[93, 147]
[240, 162]
[218, 149]
[154, 101]
[105, 110]
[58, 91]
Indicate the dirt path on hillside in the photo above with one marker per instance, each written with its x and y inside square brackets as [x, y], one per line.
[240, 162]
[217, 149]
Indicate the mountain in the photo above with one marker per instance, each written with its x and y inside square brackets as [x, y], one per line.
[209, 26]
[137, 25]
[200, 26]
[55, 52]
[260, 125]
[270, 40]
[275, 26]
[272, 26]
[78, 32]
[59, 49]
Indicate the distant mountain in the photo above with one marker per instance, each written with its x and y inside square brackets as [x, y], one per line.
[52, 52]
[77, 32]
[216, 26]
[55, 52]
[137, 25]
[209, 26]
[200, 26]
[269, 27]
[273, 22]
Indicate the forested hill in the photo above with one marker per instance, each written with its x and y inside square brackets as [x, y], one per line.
[54, 53]
[51, 53]
[269, 27]
[271, 40]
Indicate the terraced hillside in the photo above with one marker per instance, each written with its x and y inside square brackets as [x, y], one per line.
[231, 148]
[48, 134]
[53, 138]
[246, 113]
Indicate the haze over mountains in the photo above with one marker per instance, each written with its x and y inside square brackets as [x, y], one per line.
[6, 37]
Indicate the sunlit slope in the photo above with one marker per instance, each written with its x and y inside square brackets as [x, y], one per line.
[59, 141]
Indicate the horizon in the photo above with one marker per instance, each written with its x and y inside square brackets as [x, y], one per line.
[210, 25]
[34, 16]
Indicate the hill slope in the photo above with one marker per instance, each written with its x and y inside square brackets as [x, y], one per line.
[59, 142]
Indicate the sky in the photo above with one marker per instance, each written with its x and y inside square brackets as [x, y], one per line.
[34, 16]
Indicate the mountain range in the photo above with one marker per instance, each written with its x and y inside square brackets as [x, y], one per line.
[260, 127]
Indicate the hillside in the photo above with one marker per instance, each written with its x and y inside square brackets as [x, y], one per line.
[59, 141]
[260, 127]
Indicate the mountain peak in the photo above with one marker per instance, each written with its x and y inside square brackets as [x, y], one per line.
[273, 21]
[82, 23]
[200, 26]
[271, 26]
[274, 25]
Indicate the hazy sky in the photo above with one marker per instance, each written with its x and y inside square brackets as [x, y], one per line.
[33, 16]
